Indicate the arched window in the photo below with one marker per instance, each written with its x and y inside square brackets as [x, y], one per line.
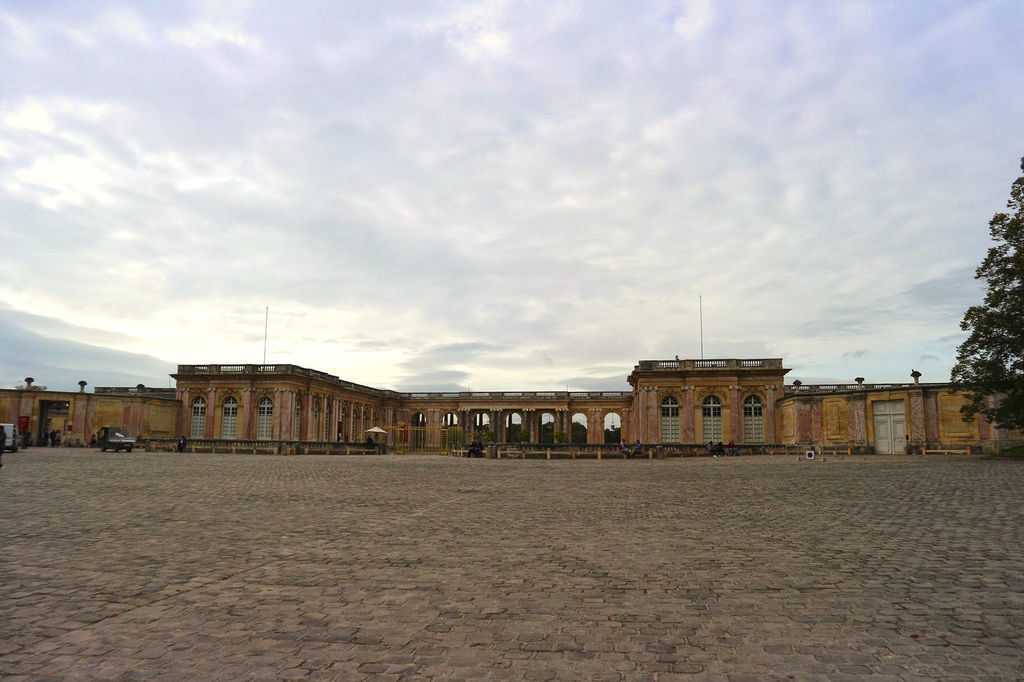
[670, 420]
[199, 418]
[753, 420]
[265, 419]
[229, 420]
[711, 412]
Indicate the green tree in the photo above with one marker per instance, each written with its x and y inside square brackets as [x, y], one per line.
[989, 368]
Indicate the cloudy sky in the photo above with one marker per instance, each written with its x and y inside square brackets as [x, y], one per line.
[498, 194]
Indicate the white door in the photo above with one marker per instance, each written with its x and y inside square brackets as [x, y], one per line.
[899, 435]
[883, 435]
[890, 426]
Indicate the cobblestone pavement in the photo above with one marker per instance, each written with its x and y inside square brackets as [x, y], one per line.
[167, 566]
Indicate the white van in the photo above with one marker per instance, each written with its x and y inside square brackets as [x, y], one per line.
[11, 443]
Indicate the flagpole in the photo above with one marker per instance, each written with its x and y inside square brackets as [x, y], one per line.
[700, 308]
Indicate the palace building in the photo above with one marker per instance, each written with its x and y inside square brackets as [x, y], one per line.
[672, 403]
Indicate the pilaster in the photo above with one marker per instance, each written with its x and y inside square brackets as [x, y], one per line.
[689, 426]
[211, 413]
[735, 415]
[856, 420]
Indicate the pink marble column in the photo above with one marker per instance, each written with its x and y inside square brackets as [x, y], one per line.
[688, 420]
[78, 427]
[211, 413]
[856, 423]
[735, 415]
[306, 428]
[653, 406]
[284, 417]
[771, 434]
[817, 423]
[335, 418]
[248, 414]
[931, 419]
[916, 417]
[185, 416]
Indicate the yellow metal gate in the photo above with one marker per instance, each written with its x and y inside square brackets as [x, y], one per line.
[426, 439]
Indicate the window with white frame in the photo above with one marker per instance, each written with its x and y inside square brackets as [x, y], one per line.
[199, 418]
[711, 418]
[265, 419]
[753, 420]
[229, 419]
[670, 420]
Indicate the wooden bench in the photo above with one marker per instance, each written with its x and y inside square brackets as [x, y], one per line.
[946, 452]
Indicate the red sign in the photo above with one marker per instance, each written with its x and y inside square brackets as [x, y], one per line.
[23, 424]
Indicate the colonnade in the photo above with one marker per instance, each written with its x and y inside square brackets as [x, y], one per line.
[473, 420]
[295, 414]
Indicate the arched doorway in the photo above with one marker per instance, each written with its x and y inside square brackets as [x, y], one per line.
[612, 427]
[513, 427]
[578, 428]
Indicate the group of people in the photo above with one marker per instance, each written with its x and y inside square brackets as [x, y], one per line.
[719, 450]
[52, 439]
[626, 452]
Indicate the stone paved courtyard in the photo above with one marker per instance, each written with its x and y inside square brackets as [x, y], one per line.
[167, 566]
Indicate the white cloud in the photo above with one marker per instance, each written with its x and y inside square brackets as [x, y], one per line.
[125, 24]
[63, 181]
[694, 18]
[475, 29]
[29, 115]
[201, 35]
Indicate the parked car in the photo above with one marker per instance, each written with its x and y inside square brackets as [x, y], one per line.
[113, 438]
[11, 442]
